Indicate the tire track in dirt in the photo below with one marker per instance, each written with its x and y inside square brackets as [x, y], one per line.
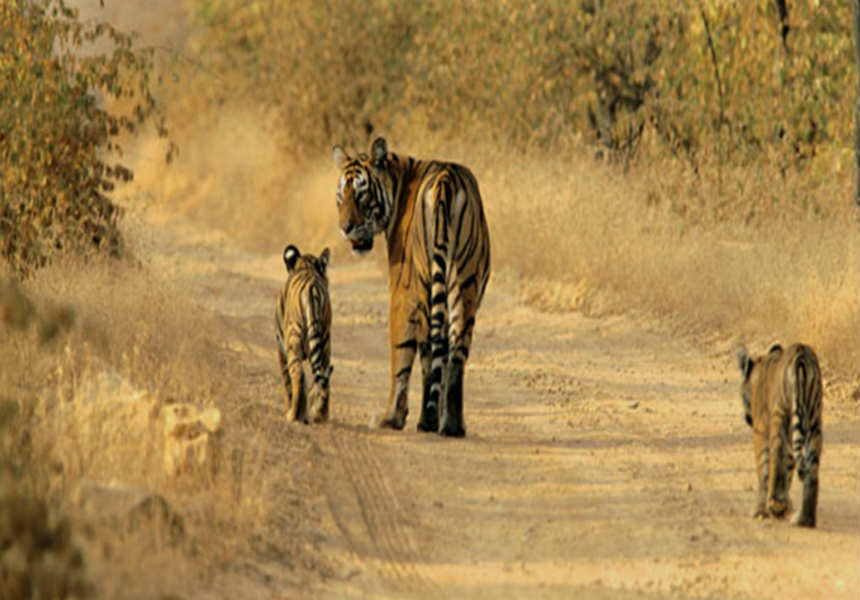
[392, 550]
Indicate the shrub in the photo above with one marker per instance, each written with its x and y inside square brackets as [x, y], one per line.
[707, 81]
[56, 137]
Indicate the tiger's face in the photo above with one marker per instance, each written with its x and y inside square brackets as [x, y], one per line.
[363, 197]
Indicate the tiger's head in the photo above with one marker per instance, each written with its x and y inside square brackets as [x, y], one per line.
[295, 261]
[752, 370]
[364, 201]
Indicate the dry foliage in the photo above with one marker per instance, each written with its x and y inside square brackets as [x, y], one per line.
[56, 137]
[81, 390]
[681, 80]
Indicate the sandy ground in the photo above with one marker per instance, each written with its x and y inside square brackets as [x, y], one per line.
[603, 458]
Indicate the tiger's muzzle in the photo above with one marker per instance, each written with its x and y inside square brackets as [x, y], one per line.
[360, 238]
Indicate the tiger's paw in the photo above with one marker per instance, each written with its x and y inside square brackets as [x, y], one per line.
[320, 417]
[778, 508]
[429, 419]
[449, 429]
[758, 512]
[391, 422]
[801, 520]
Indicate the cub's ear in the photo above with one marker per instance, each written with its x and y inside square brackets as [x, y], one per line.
[340, 157]
[325, 255]
[378, 151]
[291, 256]
[744, 361]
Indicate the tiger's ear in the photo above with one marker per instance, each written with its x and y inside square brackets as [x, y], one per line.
[291, 256]
[744, 361]
[340, 157]
[325, 255]
[378, 151]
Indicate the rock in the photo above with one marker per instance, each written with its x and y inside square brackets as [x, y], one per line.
[129, 510]
[191, 440]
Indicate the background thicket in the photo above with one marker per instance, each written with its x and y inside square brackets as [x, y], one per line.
[58, 138]
[707, 83]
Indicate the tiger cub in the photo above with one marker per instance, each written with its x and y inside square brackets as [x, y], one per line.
[302, 328]
[782, 382]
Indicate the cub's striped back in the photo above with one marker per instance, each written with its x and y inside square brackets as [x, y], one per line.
[303, 331]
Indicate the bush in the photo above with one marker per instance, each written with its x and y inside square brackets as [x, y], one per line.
[709, 81]
[56, 137]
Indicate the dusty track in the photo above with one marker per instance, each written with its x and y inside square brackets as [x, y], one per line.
[601, 458]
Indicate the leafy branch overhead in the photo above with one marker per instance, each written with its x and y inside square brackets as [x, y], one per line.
[64, 106]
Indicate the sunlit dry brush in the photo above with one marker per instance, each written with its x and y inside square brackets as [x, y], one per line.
[104, 352]
[59, 142]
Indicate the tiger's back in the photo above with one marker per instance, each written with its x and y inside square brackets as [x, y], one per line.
[782, 397]
[303, 332]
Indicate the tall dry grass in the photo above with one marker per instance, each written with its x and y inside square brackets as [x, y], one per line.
[86, 400]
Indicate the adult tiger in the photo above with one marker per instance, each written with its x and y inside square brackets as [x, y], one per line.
[302, 329]
[438, 267]
[773, 386]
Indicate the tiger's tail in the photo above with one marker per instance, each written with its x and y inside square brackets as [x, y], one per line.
[438, 308]
[807, 430]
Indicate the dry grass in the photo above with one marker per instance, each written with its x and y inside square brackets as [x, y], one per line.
[89, 403]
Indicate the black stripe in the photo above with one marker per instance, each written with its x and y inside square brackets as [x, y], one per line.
[404, 371]
[440, 261]
[408, 344]
[438, 299]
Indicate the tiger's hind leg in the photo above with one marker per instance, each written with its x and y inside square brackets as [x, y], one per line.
[762, 458]
[807, 472]
[429, 420]
[285, 374]
[462, 321]
[298, 407]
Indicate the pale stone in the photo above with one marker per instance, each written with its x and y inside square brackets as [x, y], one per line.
[190, 440]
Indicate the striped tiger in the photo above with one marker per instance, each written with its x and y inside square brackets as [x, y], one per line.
[433, 221]
[773, 386]
[302, 329]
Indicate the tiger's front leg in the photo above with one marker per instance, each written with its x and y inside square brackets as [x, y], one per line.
[760, 446]
[403, 346]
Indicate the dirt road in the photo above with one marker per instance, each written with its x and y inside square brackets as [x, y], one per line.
[603, 458]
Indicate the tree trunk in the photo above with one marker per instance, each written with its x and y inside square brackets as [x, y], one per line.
[782, 7]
